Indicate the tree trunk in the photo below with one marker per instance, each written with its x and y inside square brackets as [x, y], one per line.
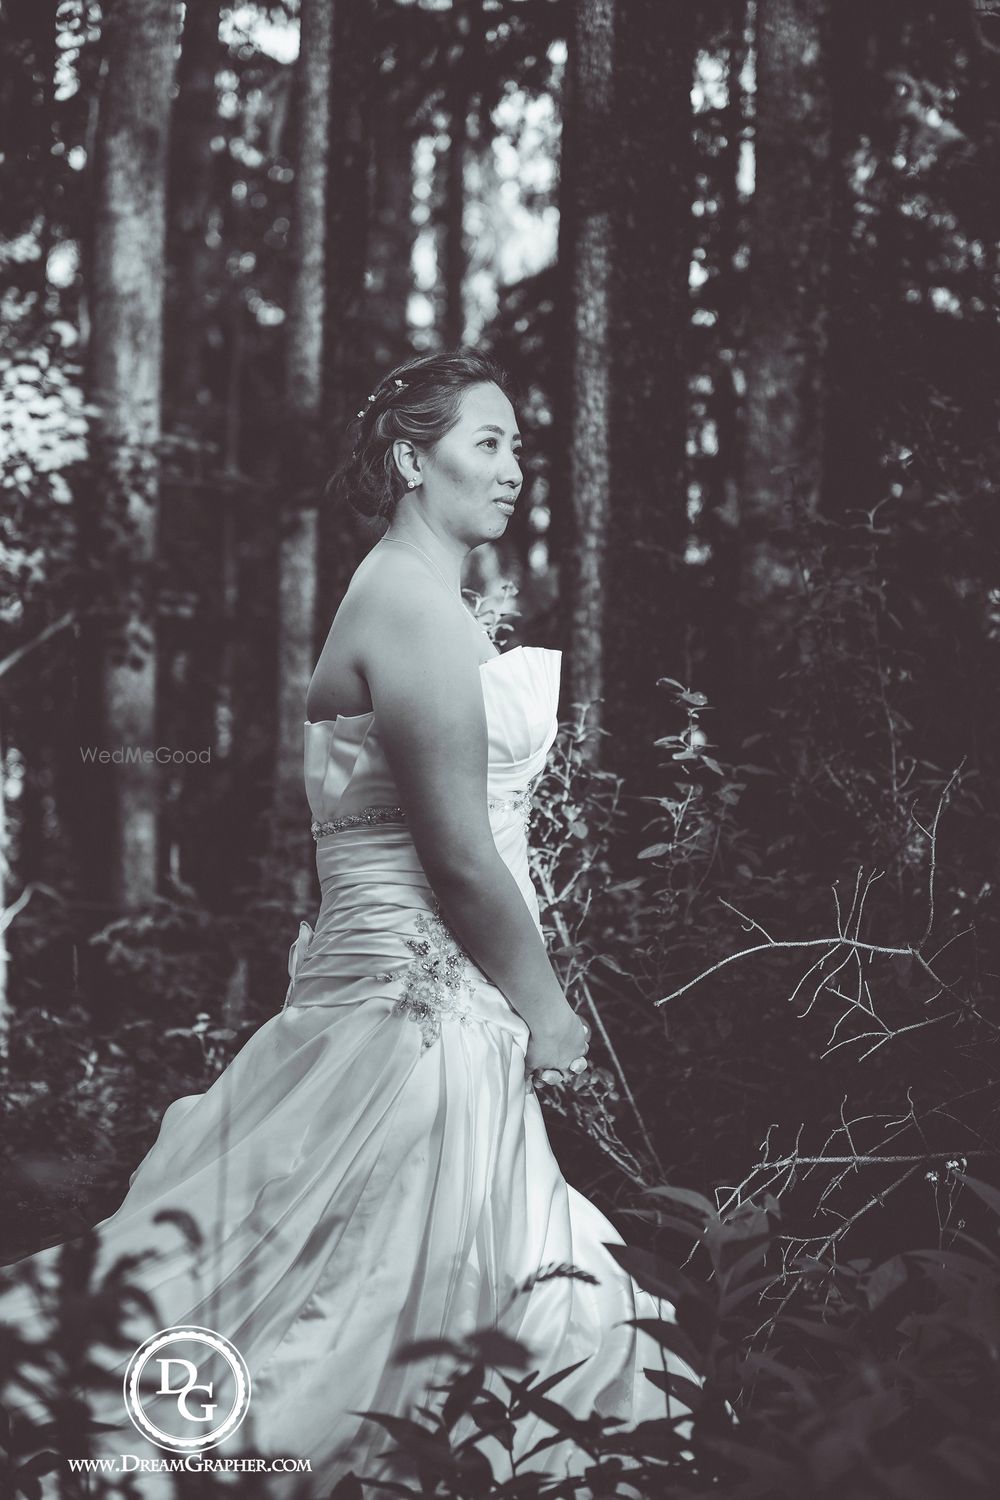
[648, 527]
[349, 207]
[559, 535]
[192, 639]
[453, 257]
[125, 376]
[587, 192]
[191, 200]
[719, 525]
[787, 311]
[866, 44]
[304, 391]
[391, 273]
[348, 356]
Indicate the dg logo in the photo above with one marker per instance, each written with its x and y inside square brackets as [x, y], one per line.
[187, 1388]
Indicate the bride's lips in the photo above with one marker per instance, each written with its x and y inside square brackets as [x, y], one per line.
[507, 506]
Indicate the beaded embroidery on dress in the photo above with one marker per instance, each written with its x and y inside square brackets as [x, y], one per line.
[372, 1168]
[437, 980]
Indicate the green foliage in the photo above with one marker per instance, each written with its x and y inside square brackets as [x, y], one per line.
[43, 434]
[57, 1375]
[869, 1379]
[875, 1377]
[88, 1083]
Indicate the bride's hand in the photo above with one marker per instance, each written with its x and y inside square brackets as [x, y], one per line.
[553, 1049]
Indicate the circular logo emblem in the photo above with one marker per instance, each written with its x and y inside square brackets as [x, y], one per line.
[187, 1388]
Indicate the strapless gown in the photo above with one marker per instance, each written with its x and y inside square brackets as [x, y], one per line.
[373, 1168]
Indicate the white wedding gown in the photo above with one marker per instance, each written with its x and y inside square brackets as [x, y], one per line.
[373, 1168]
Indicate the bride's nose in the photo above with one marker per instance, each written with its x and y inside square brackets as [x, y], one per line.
[511, 471]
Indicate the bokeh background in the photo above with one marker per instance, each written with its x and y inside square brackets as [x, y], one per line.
[741, 258]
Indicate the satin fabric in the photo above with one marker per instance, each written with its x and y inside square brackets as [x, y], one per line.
[368, 1172]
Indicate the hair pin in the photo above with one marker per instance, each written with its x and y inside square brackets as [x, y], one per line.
[401, 385]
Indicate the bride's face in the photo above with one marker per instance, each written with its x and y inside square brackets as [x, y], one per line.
[472, 479]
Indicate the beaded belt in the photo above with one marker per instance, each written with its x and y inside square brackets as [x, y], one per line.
[369, 817]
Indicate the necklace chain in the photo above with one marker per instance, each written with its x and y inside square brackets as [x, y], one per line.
[433, 564]
[437, 570]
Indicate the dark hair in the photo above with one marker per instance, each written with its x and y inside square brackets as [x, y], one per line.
[421, 401]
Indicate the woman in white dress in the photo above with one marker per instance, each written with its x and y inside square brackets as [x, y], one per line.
[373, 1167]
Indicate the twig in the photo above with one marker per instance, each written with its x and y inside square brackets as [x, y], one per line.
[829, 1241]
[933, 838]
[8, 913]
[563, 934]
[777, 943]
[21, 652]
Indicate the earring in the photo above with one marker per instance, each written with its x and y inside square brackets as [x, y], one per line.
[411, 484]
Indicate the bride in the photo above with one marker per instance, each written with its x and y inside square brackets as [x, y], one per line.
[372, 1168]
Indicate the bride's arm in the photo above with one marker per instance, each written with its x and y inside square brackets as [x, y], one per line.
[427, 695]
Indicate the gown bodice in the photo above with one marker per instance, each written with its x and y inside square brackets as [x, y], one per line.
[366, 860]
[347, 774]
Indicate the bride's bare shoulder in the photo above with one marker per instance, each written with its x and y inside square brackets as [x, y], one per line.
[391, 598]
[386, 611]
[381, 566]
[391, 583]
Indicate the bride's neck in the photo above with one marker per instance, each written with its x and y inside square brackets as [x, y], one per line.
[448, 556]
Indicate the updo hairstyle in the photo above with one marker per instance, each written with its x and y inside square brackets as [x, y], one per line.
[419, 401]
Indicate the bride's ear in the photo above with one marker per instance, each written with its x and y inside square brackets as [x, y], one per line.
[406, 460]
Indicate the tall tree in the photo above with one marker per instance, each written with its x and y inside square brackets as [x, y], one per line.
[787, 314]
[398, 93]
[125, 376]
[355, 97]
[648, 526]
[351, 134]
[867, 48]
[457, 100]
[192, 200]
[586, 199]
[304, 392]
[193, 634]
[722, 477]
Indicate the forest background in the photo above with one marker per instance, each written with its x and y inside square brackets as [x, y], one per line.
[741, 258]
